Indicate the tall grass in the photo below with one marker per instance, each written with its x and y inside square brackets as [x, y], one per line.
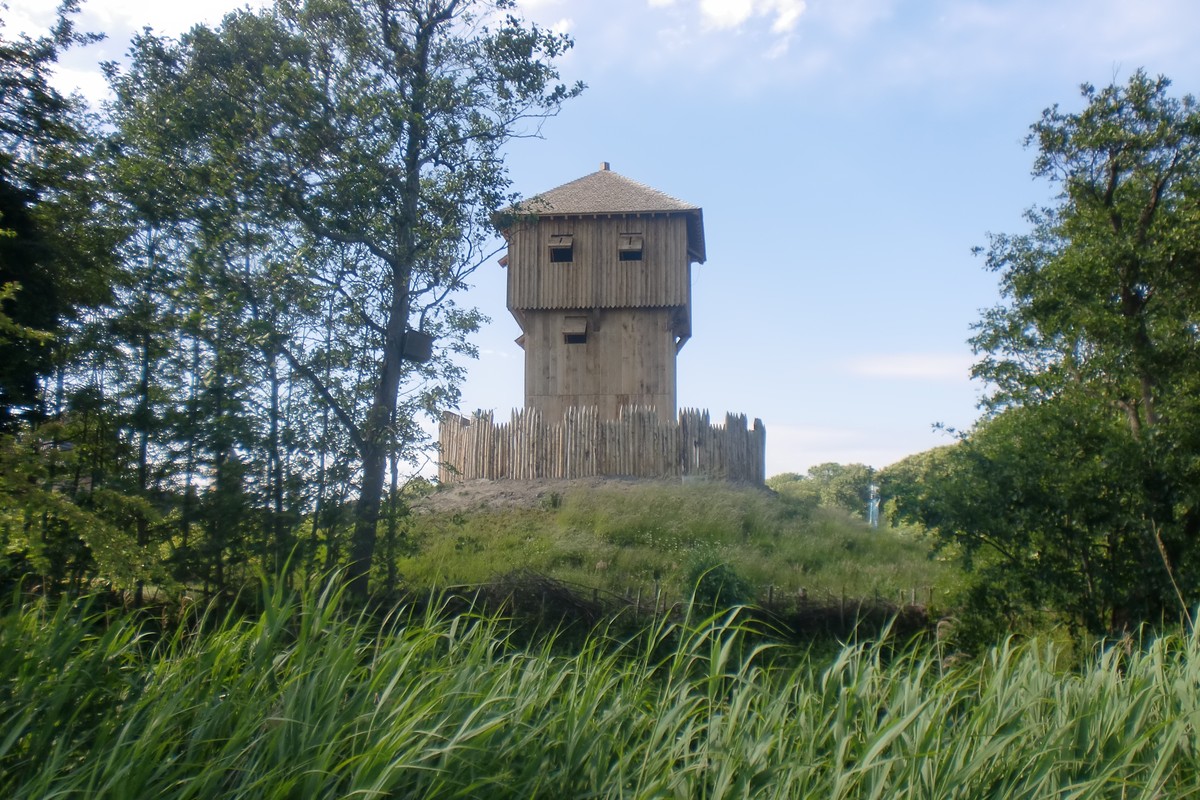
[305, 701]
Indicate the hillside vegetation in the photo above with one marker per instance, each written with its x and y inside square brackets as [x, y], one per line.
[628, 537]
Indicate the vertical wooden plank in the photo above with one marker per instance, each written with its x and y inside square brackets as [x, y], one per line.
[583, 442]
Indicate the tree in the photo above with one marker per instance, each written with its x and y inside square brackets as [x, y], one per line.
[288, 197]
[1043, 505]
[207, 293]
[55, 260]
[1104, 289]
[908, 483]
[830, 485]
[1084, 483]
[53, 257]
[376, 128]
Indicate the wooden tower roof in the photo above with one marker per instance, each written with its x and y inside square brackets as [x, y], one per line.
[607, 193]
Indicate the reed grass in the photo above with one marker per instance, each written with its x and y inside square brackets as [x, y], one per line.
[307, 700]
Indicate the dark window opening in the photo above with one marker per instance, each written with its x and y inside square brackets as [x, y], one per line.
[575, 329]
[561, 248]
[629, 247]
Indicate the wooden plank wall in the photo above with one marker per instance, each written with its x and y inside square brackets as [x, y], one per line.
[597, 278]
[628, 360]
[637, 444]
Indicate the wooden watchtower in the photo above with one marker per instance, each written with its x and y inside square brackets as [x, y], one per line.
[599, 279]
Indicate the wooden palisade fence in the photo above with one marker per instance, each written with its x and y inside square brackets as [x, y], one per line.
[637, 444]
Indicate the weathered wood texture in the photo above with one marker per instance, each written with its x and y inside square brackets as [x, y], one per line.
[637, 444]
[627, 359]
[596, 277]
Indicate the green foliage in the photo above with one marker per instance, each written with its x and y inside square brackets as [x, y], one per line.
[58, 532]
[1079, 493]
[718, 585]
[53, 252]
[345, 157]
[302, 699]
[833, 486]
[285, 194]
[1104, 288]
[910, 482]
[1047, 507]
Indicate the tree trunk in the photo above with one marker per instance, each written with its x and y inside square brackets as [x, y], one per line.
[375, 440]
[142, 421]
[375, 436]
[277, 527]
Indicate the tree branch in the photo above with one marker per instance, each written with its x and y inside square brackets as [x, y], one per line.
[330, 401]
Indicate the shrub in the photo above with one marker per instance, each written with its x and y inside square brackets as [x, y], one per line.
[718, 584]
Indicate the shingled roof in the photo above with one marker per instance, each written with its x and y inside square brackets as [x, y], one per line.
[603, 192]
[606, 192]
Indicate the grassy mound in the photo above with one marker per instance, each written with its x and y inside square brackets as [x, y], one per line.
[639, 538]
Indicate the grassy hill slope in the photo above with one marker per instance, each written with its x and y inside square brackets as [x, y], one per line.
[624, 537]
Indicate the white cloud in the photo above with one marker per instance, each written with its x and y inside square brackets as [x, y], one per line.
[87, 80]
[727, 14]
[787, 14]
[913, 366]
[169, 18]
[20, 18]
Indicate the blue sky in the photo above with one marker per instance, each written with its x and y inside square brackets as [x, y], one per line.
[848, 154]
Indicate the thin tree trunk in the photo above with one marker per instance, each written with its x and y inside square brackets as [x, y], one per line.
[142, 421]
[392, 520]
[189, 488]
[323, 449]
[275, 468]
